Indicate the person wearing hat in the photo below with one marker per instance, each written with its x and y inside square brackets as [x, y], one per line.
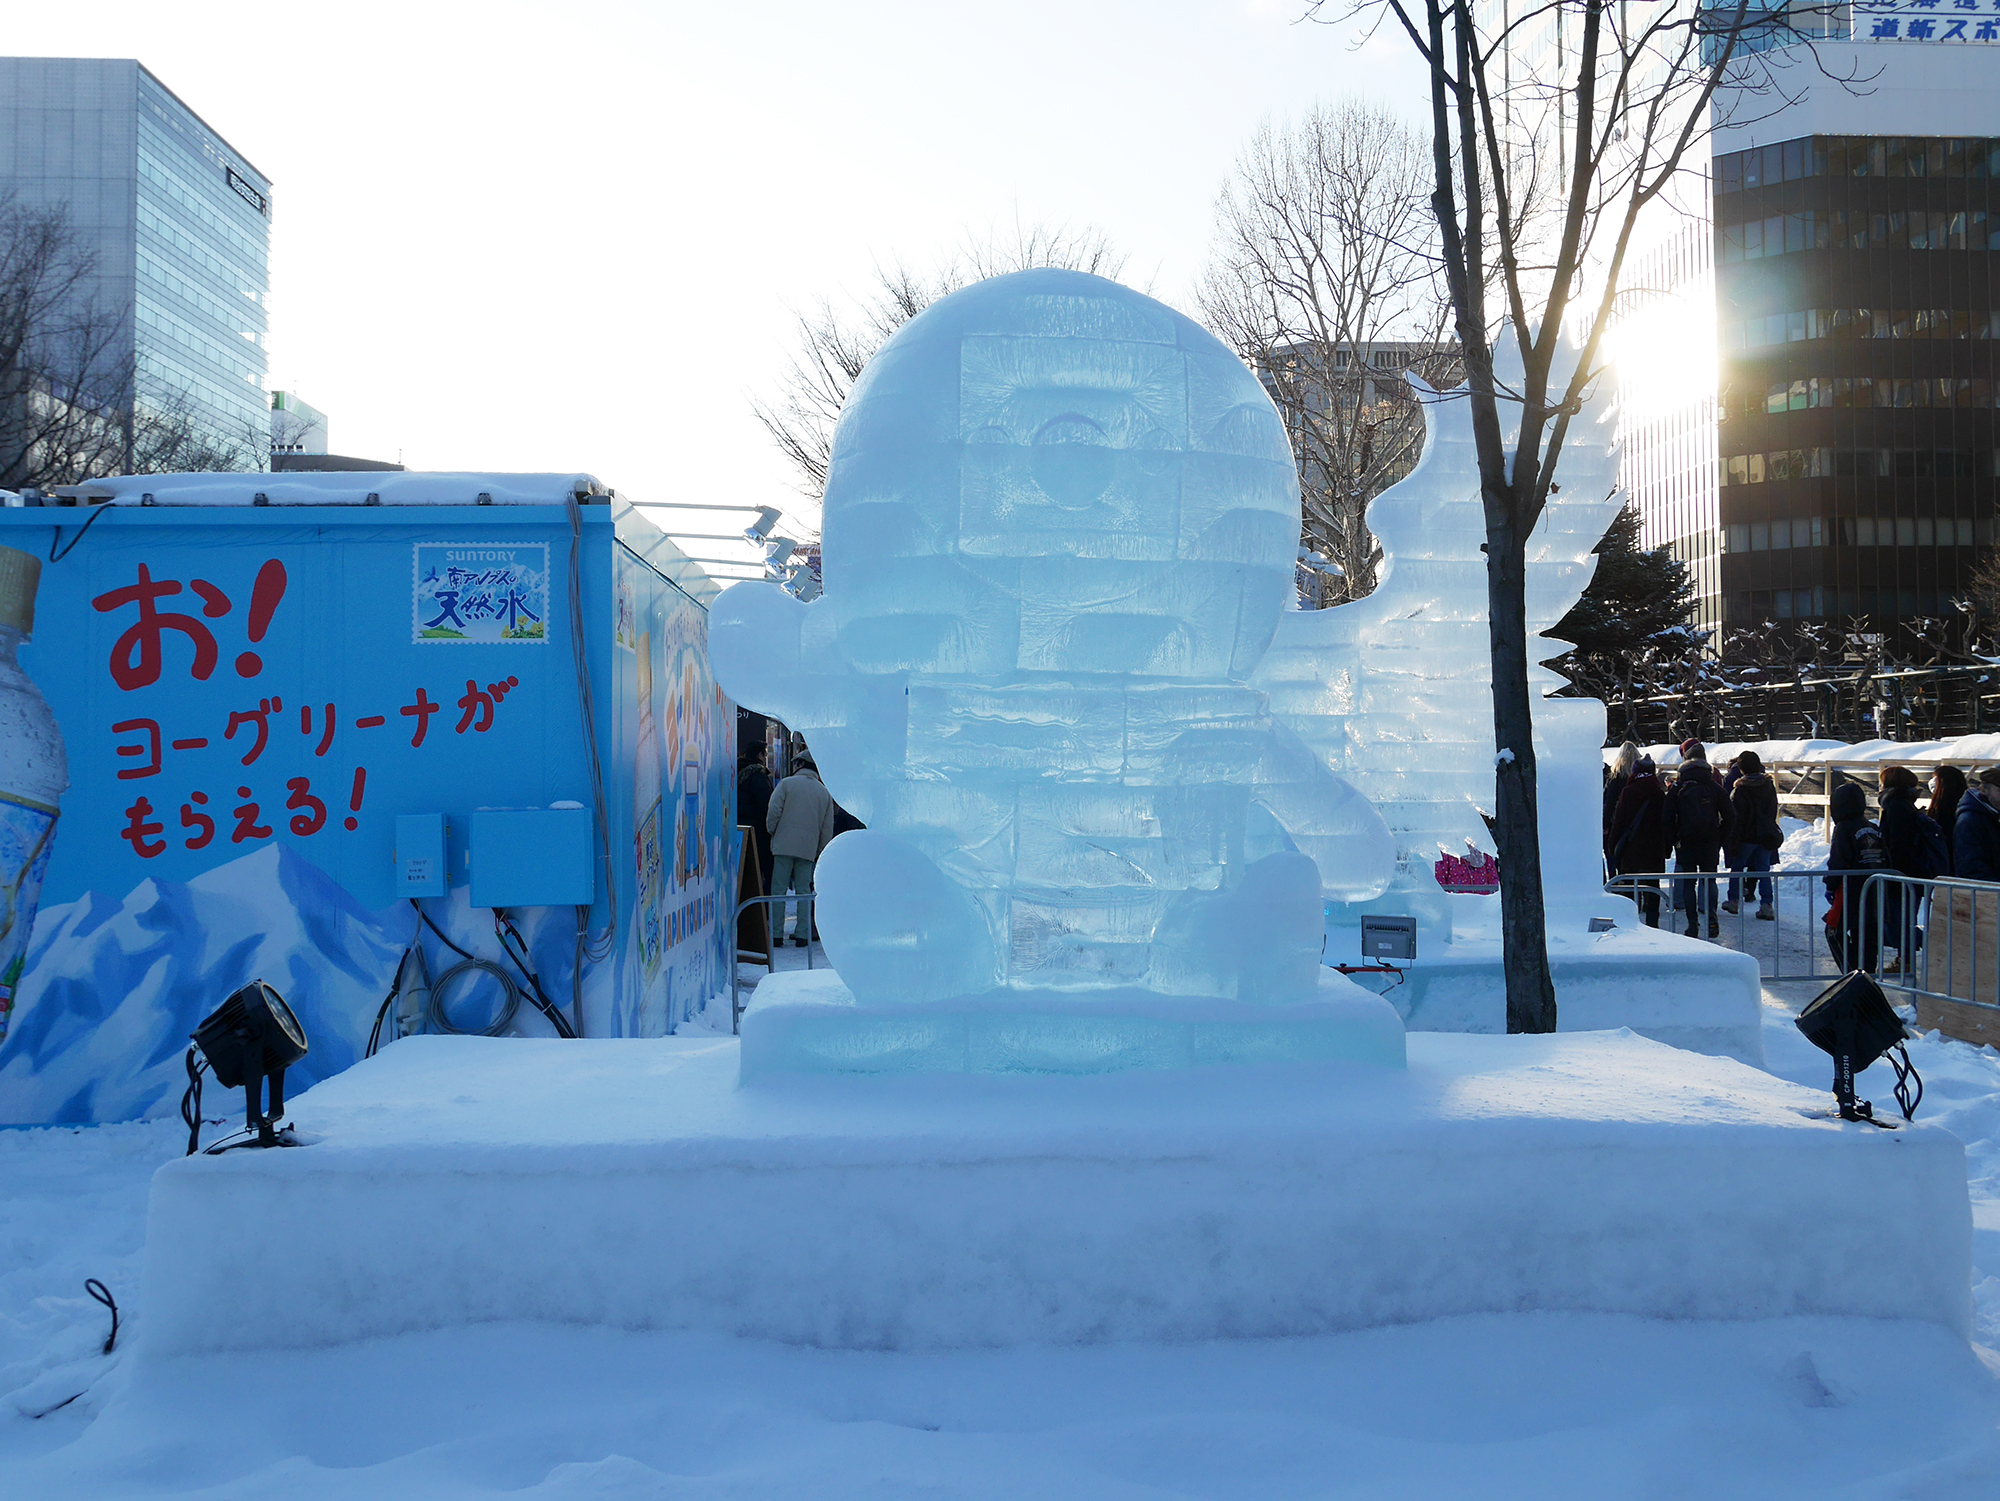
[1638, 837]
[1693, 750]
[1697, 828]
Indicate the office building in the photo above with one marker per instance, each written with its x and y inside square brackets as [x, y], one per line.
[1855, 282]
[177, 220]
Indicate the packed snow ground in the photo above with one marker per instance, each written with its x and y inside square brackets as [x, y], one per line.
[1543, 1406]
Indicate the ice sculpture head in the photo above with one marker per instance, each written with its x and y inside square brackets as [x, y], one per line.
[1049, 473]
[1059, 533]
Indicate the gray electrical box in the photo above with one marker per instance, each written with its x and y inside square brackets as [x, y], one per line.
[419, 856]
[1389, 938]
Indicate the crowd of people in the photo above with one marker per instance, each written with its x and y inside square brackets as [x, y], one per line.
[1708, 823]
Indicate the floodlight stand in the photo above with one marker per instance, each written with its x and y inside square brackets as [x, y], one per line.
[1843, 1072]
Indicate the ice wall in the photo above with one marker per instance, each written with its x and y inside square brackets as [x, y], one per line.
[1060, 531]
[1406, 716]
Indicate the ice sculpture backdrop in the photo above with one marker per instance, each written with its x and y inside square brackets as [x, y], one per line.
[1406, 715]
[1060, 531]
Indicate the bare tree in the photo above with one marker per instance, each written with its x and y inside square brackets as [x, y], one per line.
[1325, 279]
[1620, 100]
[65, 364]
[834, 344]
[69, 411]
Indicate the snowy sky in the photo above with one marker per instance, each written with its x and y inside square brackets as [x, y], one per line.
[572, 237]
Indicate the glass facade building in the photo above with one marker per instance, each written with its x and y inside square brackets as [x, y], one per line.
[178, 223]
[1857, 330]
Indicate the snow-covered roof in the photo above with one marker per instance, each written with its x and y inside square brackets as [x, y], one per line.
[391, 487]
[1981, 748]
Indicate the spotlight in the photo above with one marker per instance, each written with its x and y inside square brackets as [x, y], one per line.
[777, 550]
[1852, 1020]
[759, 529]
[251, 1037]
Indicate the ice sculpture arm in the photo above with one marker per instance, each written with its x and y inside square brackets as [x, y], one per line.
[754, 633]
[1326, 819]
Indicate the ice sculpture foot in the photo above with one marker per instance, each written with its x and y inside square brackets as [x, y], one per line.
[895, 926]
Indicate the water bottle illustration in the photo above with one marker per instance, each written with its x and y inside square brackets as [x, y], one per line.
[33, 774]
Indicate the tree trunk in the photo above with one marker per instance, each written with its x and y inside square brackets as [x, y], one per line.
[1531, 995]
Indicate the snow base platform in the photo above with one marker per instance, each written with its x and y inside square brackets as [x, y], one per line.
[639, 1185]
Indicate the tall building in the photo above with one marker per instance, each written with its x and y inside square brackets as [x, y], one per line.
[179, 224]
[1855, 234]
[1805, 346]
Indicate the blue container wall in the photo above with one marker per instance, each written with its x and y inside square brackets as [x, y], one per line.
[249, 697]
[674, 744]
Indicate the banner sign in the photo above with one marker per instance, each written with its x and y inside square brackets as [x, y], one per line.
[1927, 20]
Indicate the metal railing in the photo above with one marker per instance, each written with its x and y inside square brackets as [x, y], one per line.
[1945, 934]
[775, 926]
[1789, 945]
[1934, 939]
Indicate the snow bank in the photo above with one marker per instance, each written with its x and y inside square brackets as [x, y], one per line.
[634, 1184]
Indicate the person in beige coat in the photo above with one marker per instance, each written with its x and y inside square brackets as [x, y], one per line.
[801, 824]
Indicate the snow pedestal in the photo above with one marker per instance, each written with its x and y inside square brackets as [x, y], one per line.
[636, 1184]
[1672, 989]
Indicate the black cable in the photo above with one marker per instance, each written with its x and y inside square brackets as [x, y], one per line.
[57, 557]
[462, 953]
[503, 928]
[1905, 1072]
[191, 1102]
[103, 1295]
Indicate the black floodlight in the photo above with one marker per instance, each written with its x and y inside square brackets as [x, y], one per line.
[1853, 1022]
[249, 1038]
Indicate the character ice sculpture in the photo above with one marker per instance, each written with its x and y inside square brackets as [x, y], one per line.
[1407, 714]
[1060, 529]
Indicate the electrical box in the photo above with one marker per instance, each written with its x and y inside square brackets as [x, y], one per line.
[1388, 938]
[532, 857]
[419, 855]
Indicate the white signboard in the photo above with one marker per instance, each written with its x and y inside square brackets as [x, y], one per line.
[1927, 20]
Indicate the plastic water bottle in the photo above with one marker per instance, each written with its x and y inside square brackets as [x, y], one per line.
[34, 772]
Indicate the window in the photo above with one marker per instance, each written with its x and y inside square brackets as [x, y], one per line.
[1906, 531]
[1924, 537]
[1739, 537]
[1964, 531]
[1864, 531]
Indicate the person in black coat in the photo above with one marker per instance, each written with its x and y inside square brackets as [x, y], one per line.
[1616, 775]
[1754, 832]
[1697, 828]
[753, 802]
[1858, 848]
[1638, 836]
[1975, 834]
[1947, 792]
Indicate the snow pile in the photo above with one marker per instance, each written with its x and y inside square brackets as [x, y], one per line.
[633, 1184]
[1961, 750]
[1807, 844]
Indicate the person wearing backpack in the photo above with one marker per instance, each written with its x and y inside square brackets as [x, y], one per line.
[1859, 848]
[1753, 827]
[1916, 848]
[1638, 836]
[1697, 827]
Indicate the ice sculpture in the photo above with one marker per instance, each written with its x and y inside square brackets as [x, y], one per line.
[1060, 530]
[1407, 717]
